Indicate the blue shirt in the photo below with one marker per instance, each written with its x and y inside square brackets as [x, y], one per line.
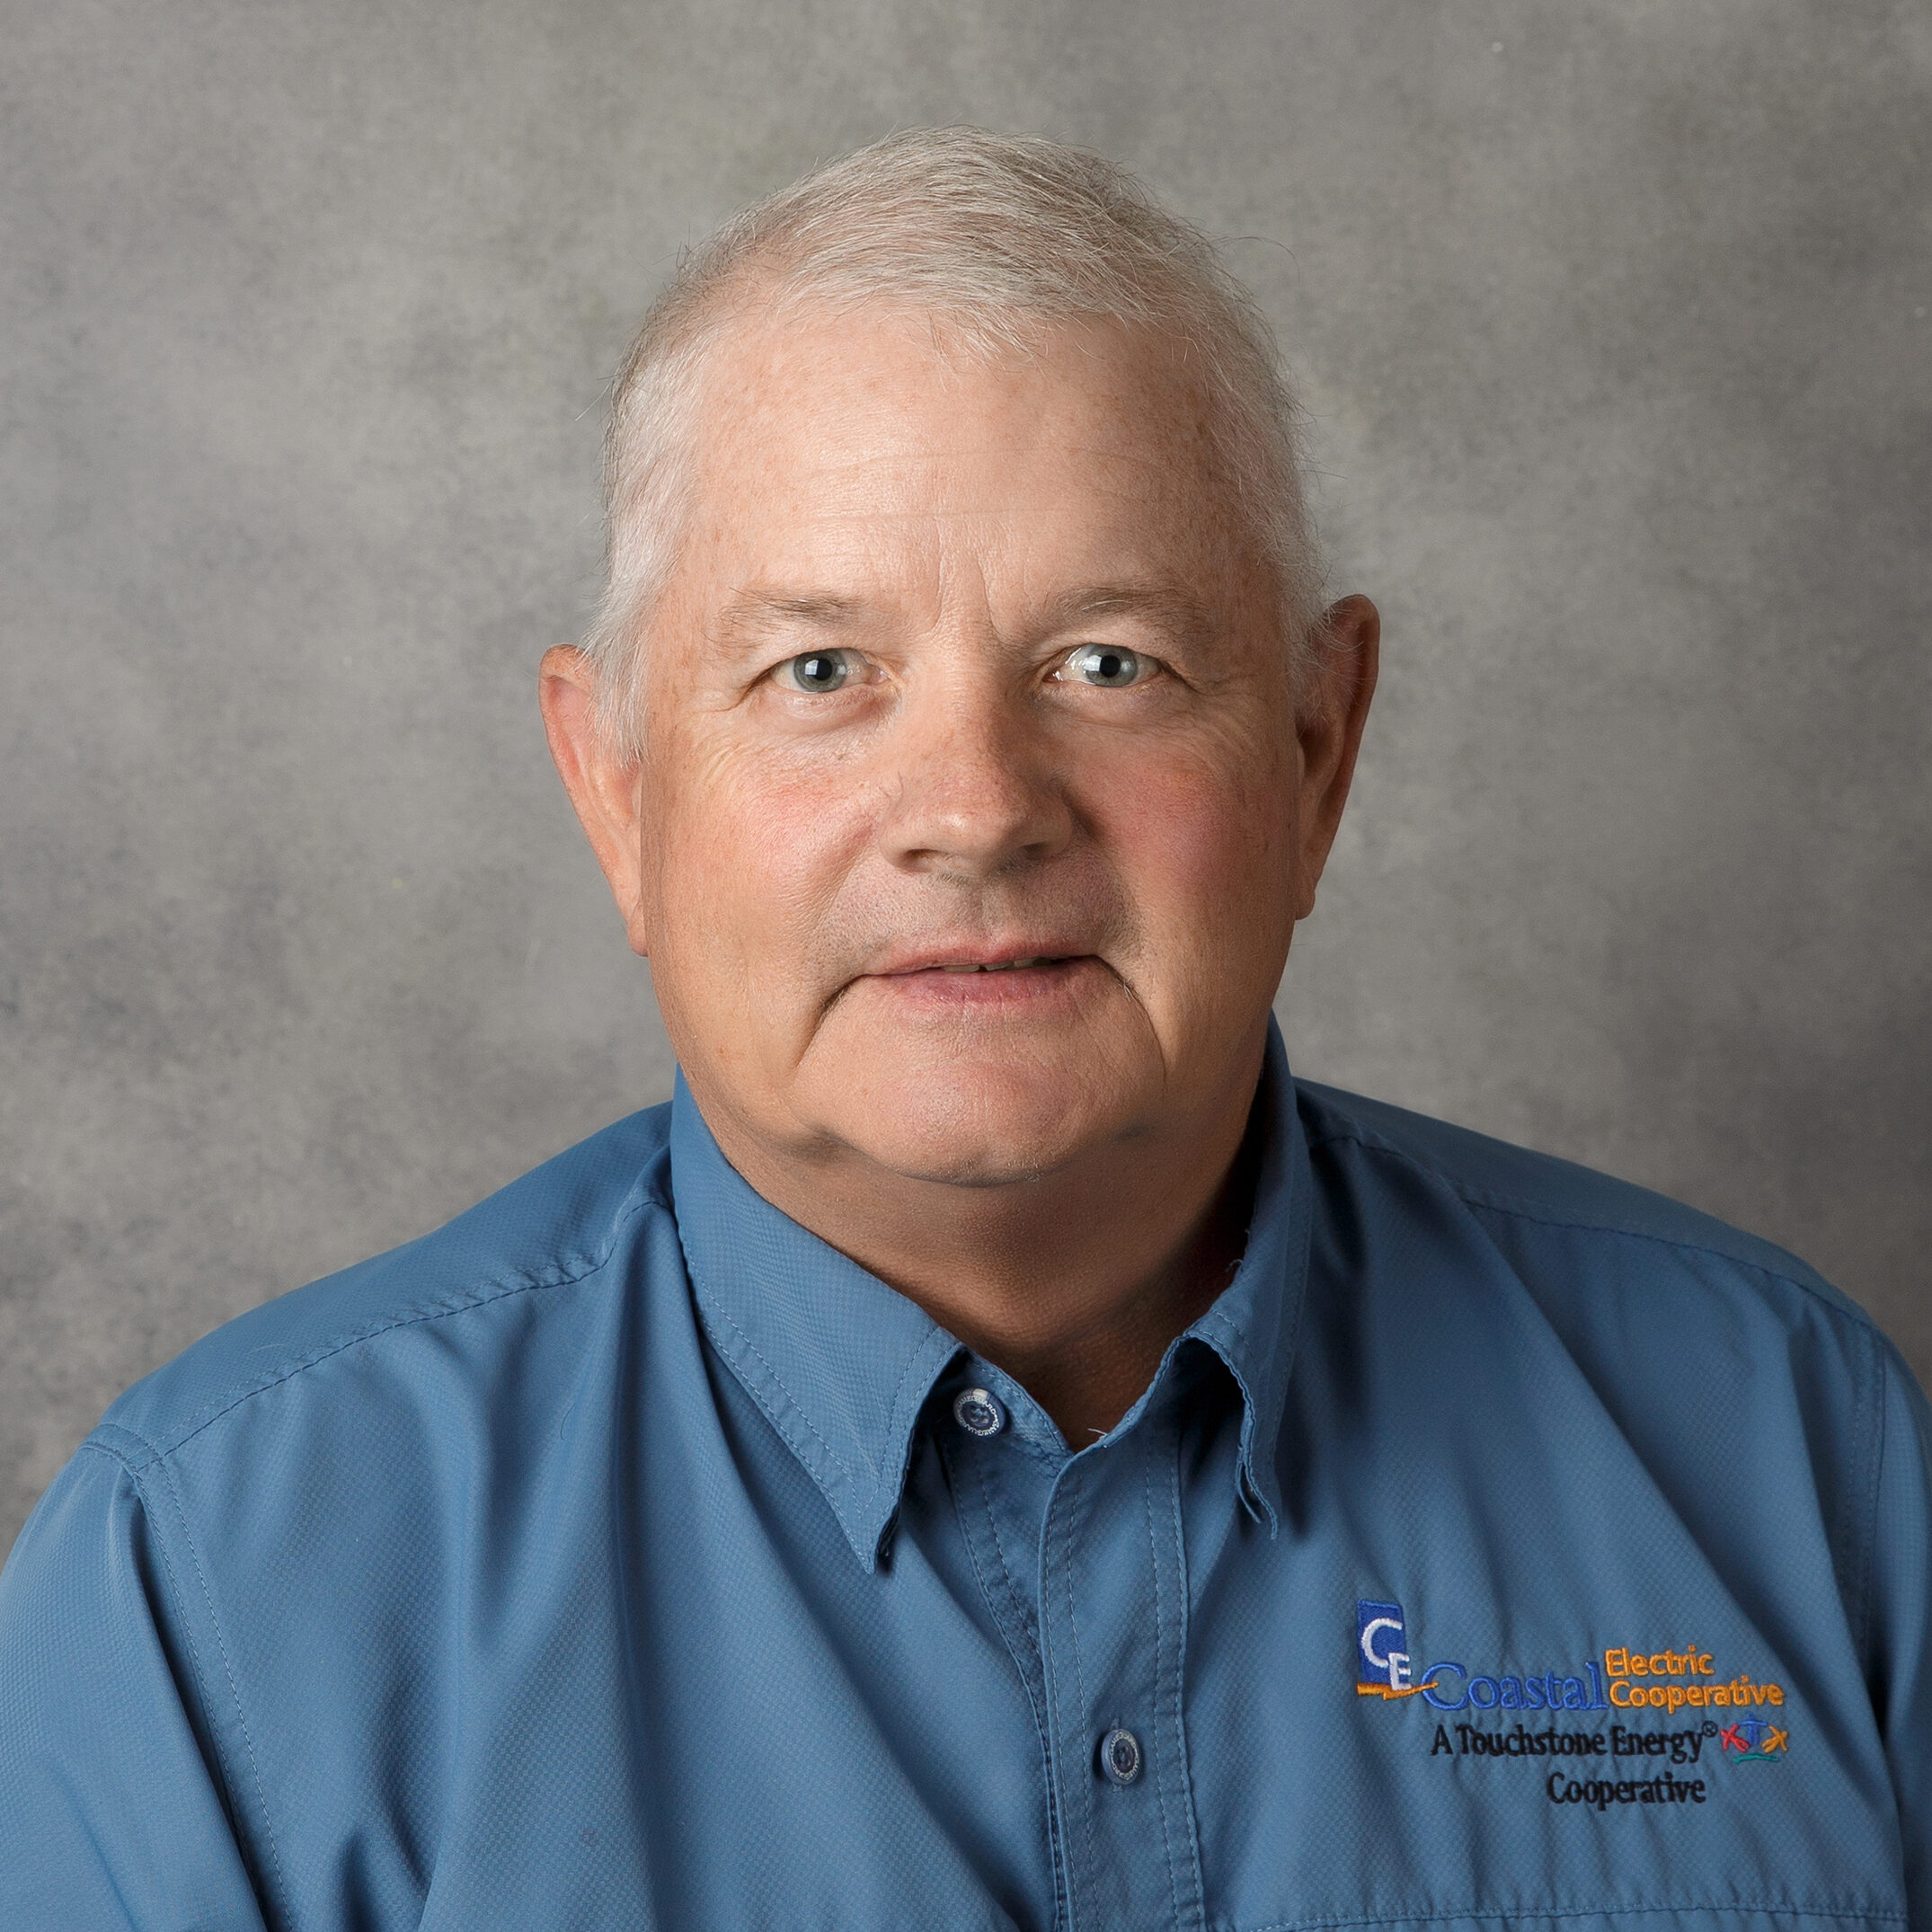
[1504, 1545]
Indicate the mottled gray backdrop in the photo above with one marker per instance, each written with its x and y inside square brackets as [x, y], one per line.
[1612, 318]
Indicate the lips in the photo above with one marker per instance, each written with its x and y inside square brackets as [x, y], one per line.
[976, 952]
[998, 965]
[945, 983]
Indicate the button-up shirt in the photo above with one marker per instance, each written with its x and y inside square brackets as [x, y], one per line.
[1503, 1545]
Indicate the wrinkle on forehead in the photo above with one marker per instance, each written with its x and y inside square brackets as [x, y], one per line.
[858, 477]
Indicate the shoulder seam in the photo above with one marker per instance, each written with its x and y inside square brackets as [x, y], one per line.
[135, 1475]
[1543, 1216]
[484, 1298]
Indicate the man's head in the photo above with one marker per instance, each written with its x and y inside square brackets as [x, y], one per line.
[1006, 238]
[962, 612]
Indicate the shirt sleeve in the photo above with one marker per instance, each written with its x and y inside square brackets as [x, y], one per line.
[1901, 1613]
[112, 1808]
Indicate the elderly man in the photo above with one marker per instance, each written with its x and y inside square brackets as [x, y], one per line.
[992, 1451]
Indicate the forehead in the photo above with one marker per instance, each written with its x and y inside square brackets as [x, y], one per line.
[882, 438]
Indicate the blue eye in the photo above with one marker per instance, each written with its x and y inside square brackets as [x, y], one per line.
[1108, 665]
[818, 670]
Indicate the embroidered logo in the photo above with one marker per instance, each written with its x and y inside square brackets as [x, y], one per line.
[1616, 1706]
[1382, 1643]
[1752, 1741]
[1633, 1678]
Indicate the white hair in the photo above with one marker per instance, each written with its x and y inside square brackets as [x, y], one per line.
[1003, 235]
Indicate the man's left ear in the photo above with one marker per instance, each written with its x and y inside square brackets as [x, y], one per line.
[1331, 710]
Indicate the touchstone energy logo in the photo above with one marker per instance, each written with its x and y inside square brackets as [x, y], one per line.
[1752, 1741]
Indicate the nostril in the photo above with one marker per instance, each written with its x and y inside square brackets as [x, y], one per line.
[974, 813]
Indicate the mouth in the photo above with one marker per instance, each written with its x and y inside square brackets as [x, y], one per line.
[963, 958]
[994, 965]
[1005, 982]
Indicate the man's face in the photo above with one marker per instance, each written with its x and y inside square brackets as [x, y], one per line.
[970, 826]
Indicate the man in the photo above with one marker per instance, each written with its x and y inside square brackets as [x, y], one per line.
[993, 1451]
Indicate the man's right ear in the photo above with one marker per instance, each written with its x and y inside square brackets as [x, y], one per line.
[604, 786]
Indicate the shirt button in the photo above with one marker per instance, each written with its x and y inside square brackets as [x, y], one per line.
[1120, 1756]
[978, 1412]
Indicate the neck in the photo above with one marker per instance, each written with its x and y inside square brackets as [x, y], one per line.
[1073, 1284]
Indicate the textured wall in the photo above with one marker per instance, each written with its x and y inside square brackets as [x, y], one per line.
[1613, 319]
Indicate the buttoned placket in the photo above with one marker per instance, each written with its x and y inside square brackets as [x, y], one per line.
[1082, 1564]
[1076, 1565]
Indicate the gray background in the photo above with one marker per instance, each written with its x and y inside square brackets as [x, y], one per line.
[1613, 322]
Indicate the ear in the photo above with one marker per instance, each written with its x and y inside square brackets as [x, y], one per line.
[1333, 709]
[605, 788]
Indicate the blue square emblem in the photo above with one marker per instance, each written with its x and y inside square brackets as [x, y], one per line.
[1381, 1646]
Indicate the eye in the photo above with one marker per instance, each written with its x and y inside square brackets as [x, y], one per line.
[1108, 665]
[818, 672]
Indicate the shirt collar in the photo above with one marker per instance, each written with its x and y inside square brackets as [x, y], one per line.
[841, 1364]
[1252, 1323]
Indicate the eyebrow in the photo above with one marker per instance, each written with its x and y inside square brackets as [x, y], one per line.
[752, 611]
[1168, 606]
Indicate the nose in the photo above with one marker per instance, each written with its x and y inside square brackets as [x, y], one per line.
[972, 785]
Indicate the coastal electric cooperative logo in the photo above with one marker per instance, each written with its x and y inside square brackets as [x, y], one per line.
[1676, 1703]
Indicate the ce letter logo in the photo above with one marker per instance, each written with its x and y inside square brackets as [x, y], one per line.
[1382, 1668]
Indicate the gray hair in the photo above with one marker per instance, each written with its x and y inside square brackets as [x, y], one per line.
[1002, 234]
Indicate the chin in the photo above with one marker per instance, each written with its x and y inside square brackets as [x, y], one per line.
[987, 1129]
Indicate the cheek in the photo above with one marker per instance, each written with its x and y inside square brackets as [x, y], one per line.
[749, 853]
[1203, 848]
